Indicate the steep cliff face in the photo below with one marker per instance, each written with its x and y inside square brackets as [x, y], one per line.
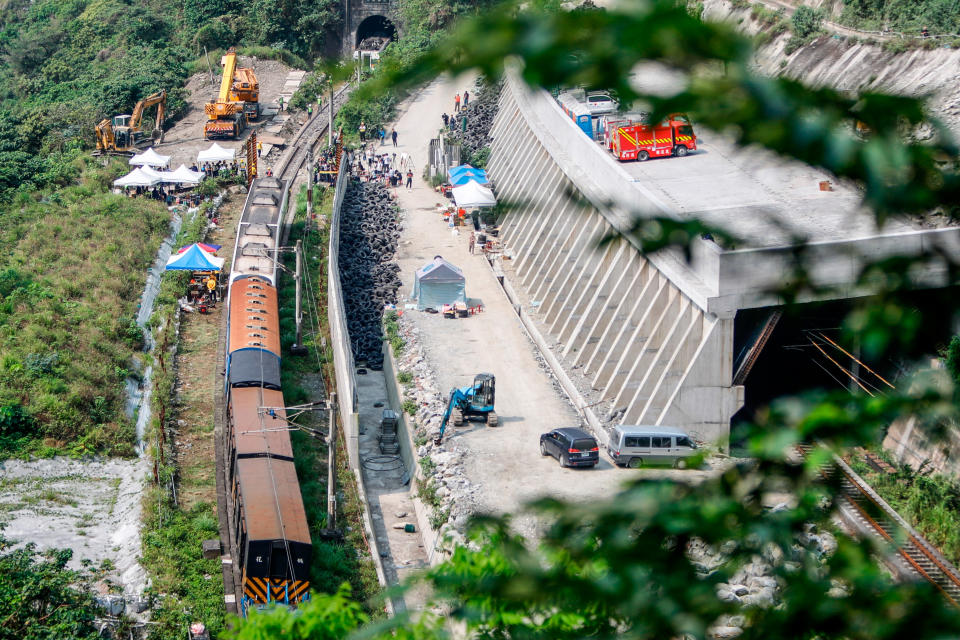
[848, 65]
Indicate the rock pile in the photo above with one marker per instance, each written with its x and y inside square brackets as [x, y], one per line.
[480, 112]
[753, 585]
[454, 496]
[369, 277]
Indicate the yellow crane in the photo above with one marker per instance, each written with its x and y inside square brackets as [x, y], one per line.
[246, 89]
[122, 134]
[226, 114]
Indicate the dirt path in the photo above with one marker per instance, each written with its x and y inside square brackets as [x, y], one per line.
[185, 139]
[196, 382]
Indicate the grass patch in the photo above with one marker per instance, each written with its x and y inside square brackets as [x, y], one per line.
[188, 587]
[930, 503]
[71, 274]
[404, 377]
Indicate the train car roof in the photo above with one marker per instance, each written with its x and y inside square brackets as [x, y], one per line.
[255, 429]
[272, 504]
[253, 316]
[253, 368]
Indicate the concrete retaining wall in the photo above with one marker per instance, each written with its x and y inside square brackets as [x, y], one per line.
[633, 329]
[344, 366]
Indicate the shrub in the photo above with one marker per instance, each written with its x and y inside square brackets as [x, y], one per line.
[806, 21]
[404, 377]
[410, 407]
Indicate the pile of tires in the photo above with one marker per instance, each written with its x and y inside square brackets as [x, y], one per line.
[369, 276]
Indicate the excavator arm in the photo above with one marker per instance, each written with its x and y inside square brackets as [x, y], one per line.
[105, 140]
[456, 397]
[159, 99]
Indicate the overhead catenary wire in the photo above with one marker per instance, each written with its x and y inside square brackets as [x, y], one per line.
[841, 367]
[856, 360]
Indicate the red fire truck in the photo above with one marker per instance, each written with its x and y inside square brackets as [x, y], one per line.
[639, 141]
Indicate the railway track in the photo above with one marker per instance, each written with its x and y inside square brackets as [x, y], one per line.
[867, 512]
[307, 137]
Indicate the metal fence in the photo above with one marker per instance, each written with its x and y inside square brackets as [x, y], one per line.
[442, 156]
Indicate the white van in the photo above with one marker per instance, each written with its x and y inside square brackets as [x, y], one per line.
[636, 445]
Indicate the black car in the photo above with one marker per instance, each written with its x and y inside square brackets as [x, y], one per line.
[571, 446]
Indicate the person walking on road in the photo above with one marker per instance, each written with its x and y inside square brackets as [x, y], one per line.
[473, 240]
[309, 111]
[259, 148]
[446, 121]
[363, 131]
[466, 98]
[456, 103]
[393, 135]
[409, 179]
[280, 100]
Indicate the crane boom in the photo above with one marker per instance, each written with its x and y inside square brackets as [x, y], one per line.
[229, 62]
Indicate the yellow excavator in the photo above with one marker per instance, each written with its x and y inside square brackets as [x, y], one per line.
[237, 103]
[122, 134]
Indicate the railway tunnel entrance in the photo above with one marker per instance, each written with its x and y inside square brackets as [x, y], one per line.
[374, 33]
[780, 352]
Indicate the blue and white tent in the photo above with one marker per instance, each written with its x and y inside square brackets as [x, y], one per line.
[194, 259]
[438, 283]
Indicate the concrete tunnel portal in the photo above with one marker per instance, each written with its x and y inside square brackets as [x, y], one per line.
[806, 348]
[375, 27]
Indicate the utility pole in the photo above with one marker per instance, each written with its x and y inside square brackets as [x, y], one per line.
[330, 112]
[298, 349]
[209, 66]
[309, 185]
[331, 465]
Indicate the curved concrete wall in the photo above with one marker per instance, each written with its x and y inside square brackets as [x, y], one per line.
[343, 364]
[633, 330]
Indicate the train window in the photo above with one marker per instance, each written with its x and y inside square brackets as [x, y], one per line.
[255, 286]
[278, 560]
[254, 335]
[256, 295]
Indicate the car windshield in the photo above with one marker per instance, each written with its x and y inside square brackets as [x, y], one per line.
[584, 444]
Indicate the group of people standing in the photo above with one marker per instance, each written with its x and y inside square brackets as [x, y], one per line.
[370, 166]
[381, 134]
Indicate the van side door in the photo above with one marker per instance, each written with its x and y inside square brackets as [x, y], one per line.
[662, 446]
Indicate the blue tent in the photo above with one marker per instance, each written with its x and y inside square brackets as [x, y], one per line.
[194, 259]
[457, 174]
[439, 283]
[477, 175]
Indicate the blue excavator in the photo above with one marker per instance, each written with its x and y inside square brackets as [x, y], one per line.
[468, 403]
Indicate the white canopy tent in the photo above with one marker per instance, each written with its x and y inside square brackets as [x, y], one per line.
[215, 153]
[153, 173]
[137, 178]
[182, 175]
[473, 195]
[150, 158]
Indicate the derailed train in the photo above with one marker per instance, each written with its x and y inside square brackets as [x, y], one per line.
[268, 521]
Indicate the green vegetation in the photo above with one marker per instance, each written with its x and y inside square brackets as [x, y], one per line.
[404, 377]
[189, 587]
[67, 65]
[930, 503]
[424, 24]
[40, 598]
[71, 275]
[909, 16]
[806, 23]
